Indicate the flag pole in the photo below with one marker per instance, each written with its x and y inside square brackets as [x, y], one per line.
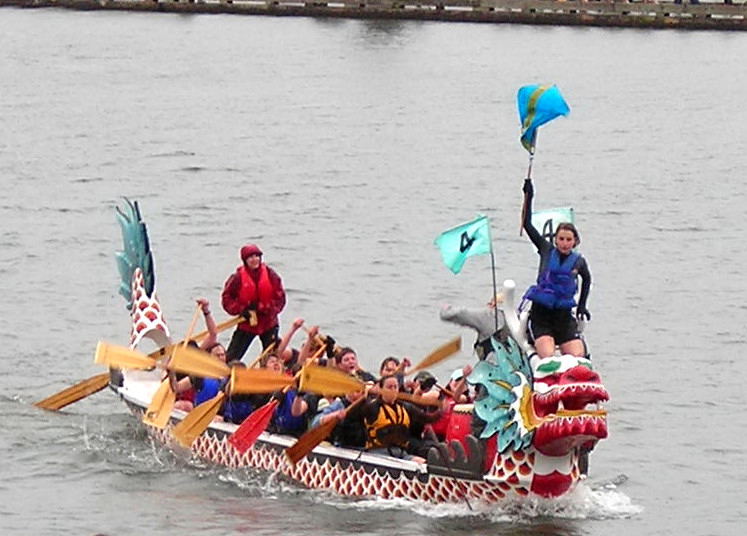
[529, 177]
[492, 272]
[495, 287]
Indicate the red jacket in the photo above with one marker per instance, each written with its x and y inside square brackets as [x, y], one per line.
[263, 287]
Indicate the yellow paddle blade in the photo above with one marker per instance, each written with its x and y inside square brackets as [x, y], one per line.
[166, 350]
[307, 442]
[75, 392]
[197, 420]
[438, 355]
[160, 407]
[328, 381]
[248, 381]
[192, 361]
[121, 357]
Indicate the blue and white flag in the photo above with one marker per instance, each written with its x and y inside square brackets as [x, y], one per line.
[537, 106]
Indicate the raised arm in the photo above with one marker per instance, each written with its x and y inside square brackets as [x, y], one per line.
[287, 336]
[212, 337]
[526, 211]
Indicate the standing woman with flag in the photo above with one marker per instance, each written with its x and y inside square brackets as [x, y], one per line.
[551, 320]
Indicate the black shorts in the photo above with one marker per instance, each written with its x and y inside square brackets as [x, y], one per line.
[557, 323]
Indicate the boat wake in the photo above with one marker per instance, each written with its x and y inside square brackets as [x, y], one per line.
[588, 500]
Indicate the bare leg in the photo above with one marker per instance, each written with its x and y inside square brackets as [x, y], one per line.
[545, 346]
[574, 347]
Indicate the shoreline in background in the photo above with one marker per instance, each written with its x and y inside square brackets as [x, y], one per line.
[678, 14]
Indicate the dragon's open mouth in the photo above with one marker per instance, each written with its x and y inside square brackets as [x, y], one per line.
[569, 415]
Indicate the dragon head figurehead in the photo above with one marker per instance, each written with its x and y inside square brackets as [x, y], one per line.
[547, 406]
[566, 393]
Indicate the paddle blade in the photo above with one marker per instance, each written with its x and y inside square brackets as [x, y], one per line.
[121, 357]
[76, 392]
[189, 360]
[250, 381]
[308, 442]
[246, 435]
[160, 407]
[197, 421]
[438, 355]
[328, 381]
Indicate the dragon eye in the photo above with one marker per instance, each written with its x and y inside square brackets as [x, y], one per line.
[549, 367]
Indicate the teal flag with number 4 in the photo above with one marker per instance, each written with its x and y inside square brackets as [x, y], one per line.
[463, 241]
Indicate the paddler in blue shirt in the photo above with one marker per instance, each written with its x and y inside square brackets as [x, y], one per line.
[551, 320]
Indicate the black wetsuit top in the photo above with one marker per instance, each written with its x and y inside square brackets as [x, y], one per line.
[545, 247]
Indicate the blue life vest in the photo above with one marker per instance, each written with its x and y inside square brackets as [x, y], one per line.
[283, 420]
[237, 408]
[209, 389]
[556, 286]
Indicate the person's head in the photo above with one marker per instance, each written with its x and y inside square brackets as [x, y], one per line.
[388, 388]
[217, 350]
[272, 362]
[566, 237]
[425, 380]
[389, 366]
[346, 360]
[251, 256]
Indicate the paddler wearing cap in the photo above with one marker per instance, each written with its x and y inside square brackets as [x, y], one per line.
[256, 292]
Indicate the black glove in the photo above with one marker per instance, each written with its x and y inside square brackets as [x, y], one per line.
[330, 344]
[249, 308]
[528, 187]
[277, 395]
[582, 313]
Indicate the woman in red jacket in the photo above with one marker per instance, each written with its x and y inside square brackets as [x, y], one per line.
[256, 292]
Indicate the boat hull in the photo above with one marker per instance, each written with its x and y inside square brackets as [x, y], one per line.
[355, 473]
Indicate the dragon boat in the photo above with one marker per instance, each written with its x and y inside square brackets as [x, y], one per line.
[526, 435]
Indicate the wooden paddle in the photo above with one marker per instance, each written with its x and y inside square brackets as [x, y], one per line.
[311, 439]
[249, 431]
[118, 357]
[247, 381]
[328, 381]
[74, 393]
[223, 326]
[163, 399]
[261, 355]
[438, 355]
[160, 407]
[192, 426]
[121, 357]
[242, 381]
[196, 362]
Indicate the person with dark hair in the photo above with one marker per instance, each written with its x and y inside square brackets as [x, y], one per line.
[256, 292]
[389, 424]
[347, 361]
[551, 320]
[391, 366]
